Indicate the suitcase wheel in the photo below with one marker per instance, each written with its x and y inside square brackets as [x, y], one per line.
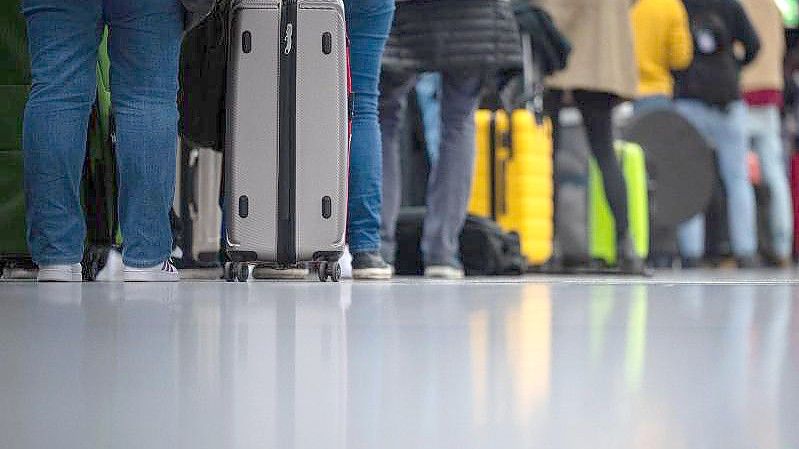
[229, 273]
[242, 272]
[322, 271]
[331, 270]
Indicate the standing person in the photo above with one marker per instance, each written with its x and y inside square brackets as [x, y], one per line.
[601, 73]
[709, 96]
[464, 40]
[662, 44]
[144, 40]
[763, 83]
[368, 25]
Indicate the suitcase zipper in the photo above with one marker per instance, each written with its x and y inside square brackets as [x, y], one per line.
[287, 158]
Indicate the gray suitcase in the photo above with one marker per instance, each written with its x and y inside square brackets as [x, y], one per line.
[196, 206]
[287, 140]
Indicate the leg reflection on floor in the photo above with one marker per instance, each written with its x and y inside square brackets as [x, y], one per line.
[399, 365]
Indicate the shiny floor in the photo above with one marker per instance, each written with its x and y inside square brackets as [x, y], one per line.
[704, 360]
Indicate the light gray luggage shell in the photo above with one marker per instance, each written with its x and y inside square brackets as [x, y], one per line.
[321, 160]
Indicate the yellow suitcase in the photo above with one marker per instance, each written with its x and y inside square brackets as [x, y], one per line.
[513, 178]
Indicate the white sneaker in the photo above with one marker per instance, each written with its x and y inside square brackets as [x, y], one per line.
[443, 272]
[163, 272]
[60, 273]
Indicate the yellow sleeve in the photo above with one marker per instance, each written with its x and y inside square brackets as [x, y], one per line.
[681, 46]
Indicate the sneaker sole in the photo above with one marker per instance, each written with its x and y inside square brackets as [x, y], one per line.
[151, 277]
[444, 274]
[372, 274]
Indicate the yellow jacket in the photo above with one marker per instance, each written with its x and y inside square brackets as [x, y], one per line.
[663, 43]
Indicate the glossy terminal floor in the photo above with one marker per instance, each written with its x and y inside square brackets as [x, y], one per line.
[699, 360]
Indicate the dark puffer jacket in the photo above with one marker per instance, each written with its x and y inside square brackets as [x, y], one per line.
[453, 35]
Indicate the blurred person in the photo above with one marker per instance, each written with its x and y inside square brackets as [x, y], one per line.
[144, 41]
[428, 95]
[601, 73]
[477, 42]
[708, 95]
[762, 83]
[662, 44]
[368, 25]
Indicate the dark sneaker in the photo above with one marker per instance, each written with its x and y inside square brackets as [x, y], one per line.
[748, 263]
[629, 260]
[369, 265]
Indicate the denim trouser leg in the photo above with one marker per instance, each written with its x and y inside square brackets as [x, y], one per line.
[144, 45]
[726, 130]
[393, 100]
[428, 94]
[63, 36]
[451, 178]
[651, 103]
[368, 23]
[765, 132]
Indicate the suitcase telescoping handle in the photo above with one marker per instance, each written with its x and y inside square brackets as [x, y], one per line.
[531, 75]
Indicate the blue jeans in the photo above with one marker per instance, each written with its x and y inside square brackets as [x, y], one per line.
[368, 24]
[765, 134]
[428, 95]
[144, 44]
[652, 103]
[726, 131]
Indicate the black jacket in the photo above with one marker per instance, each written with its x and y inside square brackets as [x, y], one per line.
[459, 35]
[697, 80]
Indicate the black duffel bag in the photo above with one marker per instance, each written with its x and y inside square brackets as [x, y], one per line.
[486, 249]
[203, 69]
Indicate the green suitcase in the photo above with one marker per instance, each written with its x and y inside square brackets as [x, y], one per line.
[14, 86]
[600, 220]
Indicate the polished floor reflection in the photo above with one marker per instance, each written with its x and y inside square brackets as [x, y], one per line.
[683, 362]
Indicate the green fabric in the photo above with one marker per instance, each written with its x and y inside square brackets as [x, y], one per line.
[600, 219]
[12, 205]
[13, 97]
[14, 62]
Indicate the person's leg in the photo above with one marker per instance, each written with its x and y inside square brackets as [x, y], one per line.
[368, 24]
[428, 93]
[651, 103]
[394, 89]
[730, 137]
[451, 179]
[764, 122]
[144, 44]
[596, 110]
[63, 37]
[691, 234]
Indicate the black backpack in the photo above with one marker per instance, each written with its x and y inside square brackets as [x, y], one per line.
[713, 76]
[486, 249]
[203, 70]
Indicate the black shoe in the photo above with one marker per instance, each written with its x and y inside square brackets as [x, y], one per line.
[748, 263]
[690, 263]
[629, 261]
[369, 265]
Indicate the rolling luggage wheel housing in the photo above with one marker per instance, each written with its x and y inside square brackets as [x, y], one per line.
[237, 271]
[330, 270]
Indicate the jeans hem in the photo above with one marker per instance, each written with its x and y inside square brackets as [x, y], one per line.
[57, 261]
[364, 249]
